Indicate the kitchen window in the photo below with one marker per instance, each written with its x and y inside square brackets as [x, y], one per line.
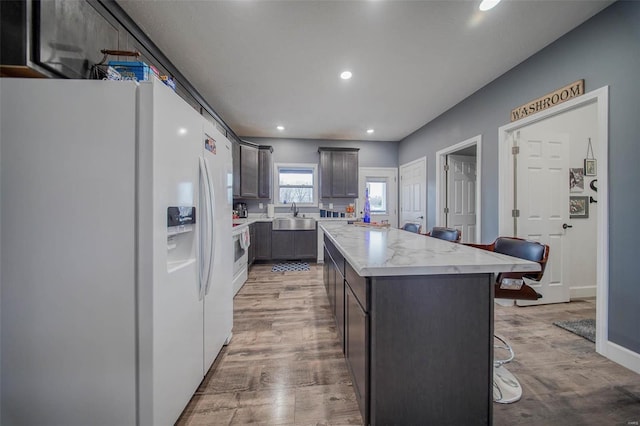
[296, 183]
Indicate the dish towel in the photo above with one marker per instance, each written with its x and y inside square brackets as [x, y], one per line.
[245, 239]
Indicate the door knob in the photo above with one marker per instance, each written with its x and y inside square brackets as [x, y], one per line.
[565, 226]
[420, 217]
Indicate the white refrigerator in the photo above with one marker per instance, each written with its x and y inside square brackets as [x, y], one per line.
[115, 224]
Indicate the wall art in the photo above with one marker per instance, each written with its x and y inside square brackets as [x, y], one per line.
[576, 180]
[579, 207]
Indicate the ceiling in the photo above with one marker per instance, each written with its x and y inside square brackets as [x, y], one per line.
[261, 64]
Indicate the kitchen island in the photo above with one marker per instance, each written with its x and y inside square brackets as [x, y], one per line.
[415, 318]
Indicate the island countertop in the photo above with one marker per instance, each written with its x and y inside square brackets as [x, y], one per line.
[394, 252]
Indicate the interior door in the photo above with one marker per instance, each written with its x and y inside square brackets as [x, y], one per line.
[413, 193]
[461, 195]
[542, 198]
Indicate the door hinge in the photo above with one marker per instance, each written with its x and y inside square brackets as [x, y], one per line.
[515, 150]
[446, 167]
[515, 213]
[446, 210]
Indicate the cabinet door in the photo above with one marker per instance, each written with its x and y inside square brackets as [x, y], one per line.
[338, 177]
[339, 308]
[325, 174]
[305, 243]
[350, 164]
[248, 171]
[356, 348]
[263, 240]
[282, 244]
[325, 269]
[252, 245]
[265, 173]
[236, 170]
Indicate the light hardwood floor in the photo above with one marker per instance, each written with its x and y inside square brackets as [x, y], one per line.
[284, 365]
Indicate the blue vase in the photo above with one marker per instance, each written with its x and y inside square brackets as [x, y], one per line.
[367, 207]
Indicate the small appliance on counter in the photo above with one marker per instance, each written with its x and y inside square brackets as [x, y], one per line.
[241, 208]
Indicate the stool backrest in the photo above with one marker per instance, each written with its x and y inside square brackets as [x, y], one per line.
[448, 234]
[524, 249]
[411, 227]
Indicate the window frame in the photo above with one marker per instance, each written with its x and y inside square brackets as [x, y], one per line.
[276, 182]
[383, 180]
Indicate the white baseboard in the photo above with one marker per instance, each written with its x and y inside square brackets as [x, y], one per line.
[623, 356]
[582, 292]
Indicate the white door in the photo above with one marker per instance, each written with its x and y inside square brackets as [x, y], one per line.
[542, 198]
[413, 193]
[383, 192]
[461, 195]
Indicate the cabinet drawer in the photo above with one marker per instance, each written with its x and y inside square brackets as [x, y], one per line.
[358, 285]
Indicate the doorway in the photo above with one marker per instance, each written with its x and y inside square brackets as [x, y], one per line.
[382, 183]
[413, 193]
[458, 183]
[508, 193]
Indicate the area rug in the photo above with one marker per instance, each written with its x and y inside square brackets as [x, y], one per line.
[584, 328]
[290, 266]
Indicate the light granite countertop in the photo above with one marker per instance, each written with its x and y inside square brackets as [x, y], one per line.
[394, 252]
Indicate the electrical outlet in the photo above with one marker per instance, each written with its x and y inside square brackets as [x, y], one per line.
[260, 206]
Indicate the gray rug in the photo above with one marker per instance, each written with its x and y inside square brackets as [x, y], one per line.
[584, 328]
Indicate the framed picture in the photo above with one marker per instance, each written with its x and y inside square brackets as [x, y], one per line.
[576, 180]
[590, 167]
[579, 207]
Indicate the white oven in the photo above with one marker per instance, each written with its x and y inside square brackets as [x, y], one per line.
[240, 257]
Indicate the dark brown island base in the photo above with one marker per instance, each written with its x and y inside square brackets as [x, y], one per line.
[415, 318]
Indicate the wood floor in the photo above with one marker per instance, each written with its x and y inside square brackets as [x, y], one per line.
[284, 365]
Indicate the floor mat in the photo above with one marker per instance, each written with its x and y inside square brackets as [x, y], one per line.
[584, 328]
[290, 266]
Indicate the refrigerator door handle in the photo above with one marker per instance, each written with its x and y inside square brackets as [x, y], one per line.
[205, 256]
[211, 235]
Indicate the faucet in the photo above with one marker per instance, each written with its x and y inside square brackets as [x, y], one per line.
[294, 208]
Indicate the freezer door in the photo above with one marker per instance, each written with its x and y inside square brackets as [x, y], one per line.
[171, 311]
[218, 299]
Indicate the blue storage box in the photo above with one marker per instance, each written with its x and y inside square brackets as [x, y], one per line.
[132, 70]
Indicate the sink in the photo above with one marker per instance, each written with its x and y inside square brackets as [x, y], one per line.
[294, 223]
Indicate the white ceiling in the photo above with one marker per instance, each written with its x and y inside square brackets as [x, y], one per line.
[260, 63]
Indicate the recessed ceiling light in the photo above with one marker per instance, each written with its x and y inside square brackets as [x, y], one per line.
[346, 75]
[488, 4]
[370, 131]
[281, 128]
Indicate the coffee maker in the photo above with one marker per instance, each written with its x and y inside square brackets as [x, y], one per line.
[241, 208]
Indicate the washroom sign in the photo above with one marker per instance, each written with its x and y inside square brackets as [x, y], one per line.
[559, 96]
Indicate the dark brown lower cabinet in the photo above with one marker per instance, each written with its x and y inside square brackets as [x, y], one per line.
[356, 348]
[290, 245]
[419, 348]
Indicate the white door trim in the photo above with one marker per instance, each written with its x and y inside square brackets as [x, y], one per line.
[424, 195]
[604, 347]
[441, 181]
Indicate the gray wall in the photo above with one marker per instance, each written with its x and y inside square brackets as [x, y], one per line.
[371, 154]
[604, 51]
